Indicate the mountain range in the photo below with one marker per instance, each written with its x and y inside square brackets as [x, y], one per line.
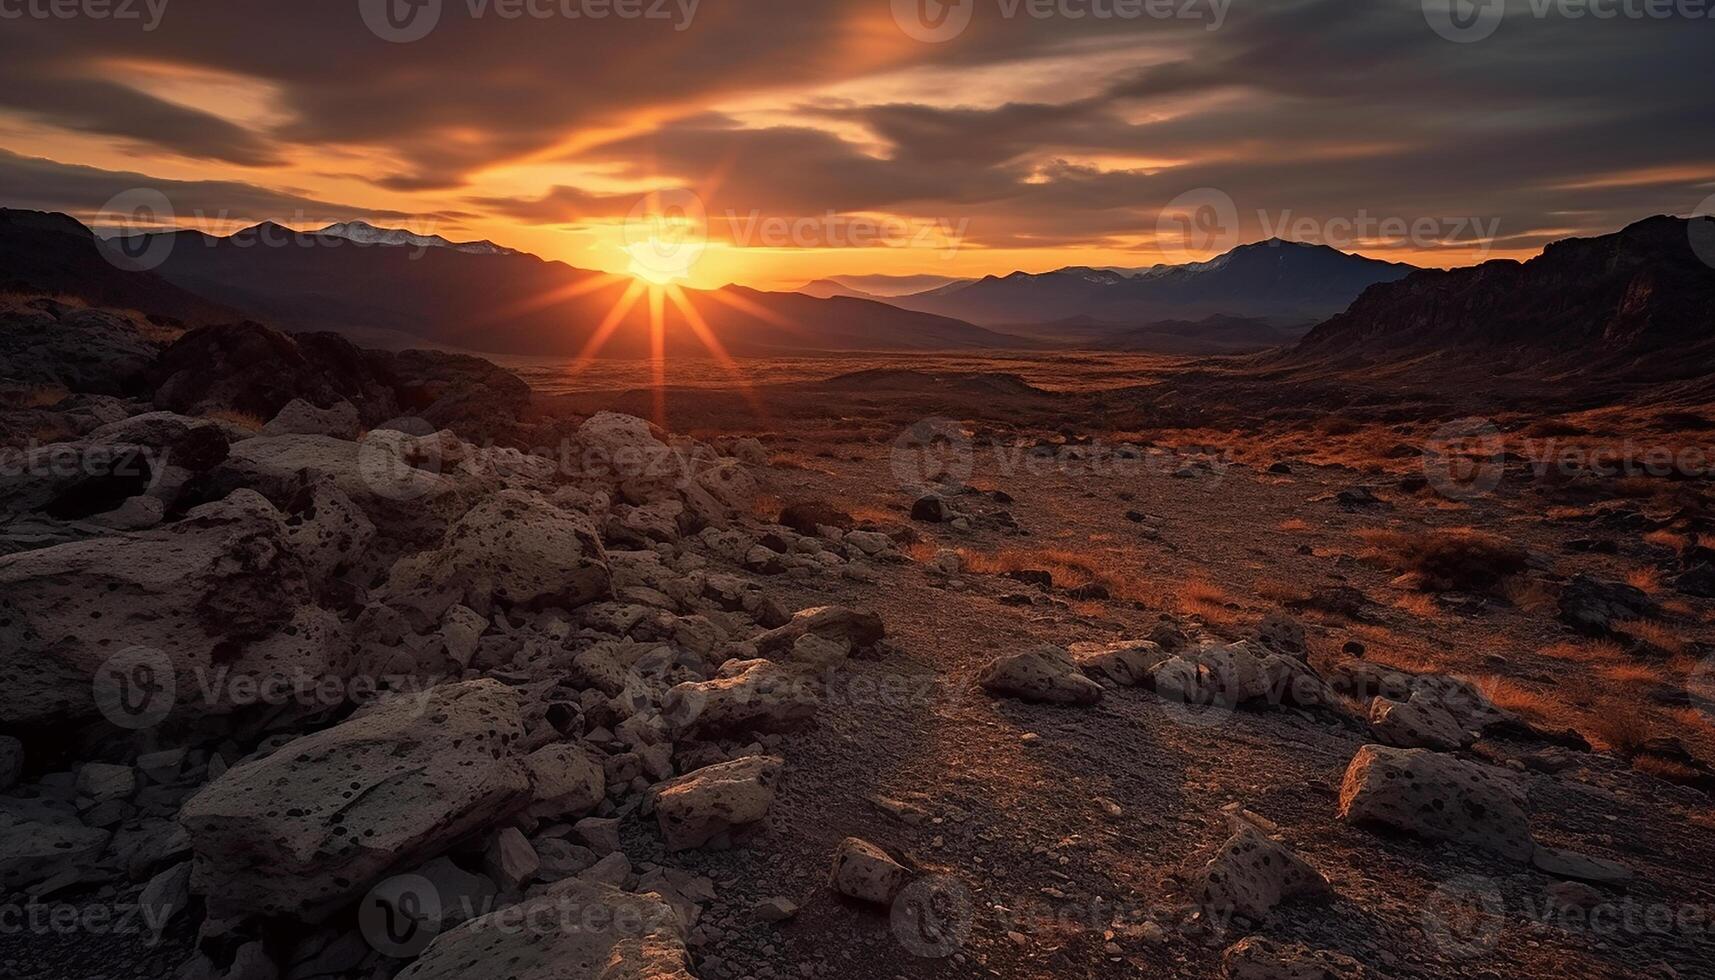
[1272, 280]
[1639, 302]
[379, 289]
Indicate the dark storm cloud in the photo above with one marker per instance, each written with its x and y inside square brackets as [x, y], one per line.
[1322, 108]
[43, 185]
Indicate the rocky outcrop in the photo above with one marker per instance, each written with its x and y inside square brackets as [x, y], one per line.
[1046, 674]
[47, 343]
[513, 550]
[1437, 797]
[163, 609]
[312, 826]
[620, 936]
[716, 800]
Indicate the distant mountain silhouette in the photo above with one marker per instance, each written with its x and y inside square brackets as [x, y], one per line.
[512, 302]
[53, 253]
[1641, 299]
[878, 287]
[1272, 279]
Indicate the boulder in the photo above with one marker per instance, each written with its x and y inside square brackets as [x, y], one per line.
[146, 618]
[300, 418]
[510, 860]
[617, 936]
[45, 342]
[745, 696]
[1127, 663]
[1592, 606]
[865, 872]
[1421, 723]
[514, 550]
[860, 629]
[329, 531]
[1261, 958]
[1251, 874]
[714, 800]
[565, 781]
[309, 828]
[1437, 797]
[931, 509]
[1046, 674]
[1581, 867]
[32, 851]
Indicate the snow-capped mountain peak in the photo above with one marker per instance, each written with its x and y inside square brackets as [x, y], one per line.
[364, 233]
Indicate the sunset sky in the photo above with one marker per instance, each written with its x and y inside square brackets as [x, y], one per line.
[1030, 141]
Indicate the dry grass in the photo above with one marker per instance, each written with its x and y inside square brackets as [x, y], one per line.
[1585, 652]
[1442, 560]
[1655, 634]
[1544, 707]
[244, 420]
[1671, 540]
[1529, 595]
[1646, 579]
[920, 551]
[1671, 771]
[873, 515]
[1070, 569]
[1295, 525]
[767, 507]
[1280, 592]
[1418, 604]
[1203, 598]
[1620, 728]
[44, 396]
[1631, 674]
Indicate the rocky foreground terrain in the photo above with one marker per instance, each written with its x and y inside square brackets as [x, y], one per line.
[320, 662]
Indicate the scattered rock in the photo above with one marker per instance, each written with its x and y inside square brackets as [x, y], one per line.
[864, 871]
[620, 936]
[746, 696]
[1419, 723]
[565, 781]
[510, 860]
[1437, 797]
[695, 808]
[1046, 674]
[313, 825]
[1260, 958]
[1251, 874]
[1126, 663]
[300, 418]
[932, 509]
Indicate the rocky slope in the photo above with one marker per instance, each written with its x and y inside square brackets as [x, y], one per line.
[340, 695]
[1597, 305]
